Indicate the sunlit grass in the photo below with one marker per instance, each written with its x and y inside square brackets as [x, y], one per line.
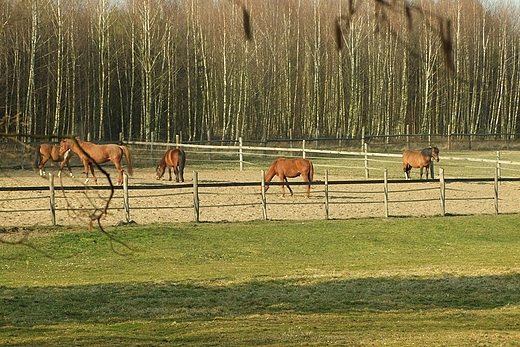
[450, 281]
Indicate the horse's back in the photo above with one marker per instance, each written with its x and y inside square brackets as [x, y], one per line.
[415, 159]
[175, 157]
[291, 167]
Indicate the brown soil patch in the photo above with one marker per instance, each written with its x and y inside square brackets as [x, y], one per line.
[238, 203]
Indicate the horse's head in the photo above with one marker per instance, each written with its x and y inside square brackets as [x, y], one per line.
[65, 145]
[435, 153]
[160, 171]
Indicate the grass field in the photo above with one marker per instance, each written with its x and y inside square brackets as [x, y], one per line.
[451, 281]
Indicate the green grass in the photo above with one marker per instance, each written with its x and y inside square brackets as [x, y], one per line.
[451, 281]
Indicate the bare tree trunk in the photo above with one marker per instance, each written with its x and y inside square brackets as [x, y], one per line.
[59, 61]
[29, 101]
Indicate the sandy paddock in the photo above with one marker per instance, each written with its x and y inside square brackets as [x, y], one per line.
[238, 203]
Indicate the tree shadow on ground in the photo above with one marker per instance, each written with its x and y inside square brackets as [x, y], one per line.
[120, 302]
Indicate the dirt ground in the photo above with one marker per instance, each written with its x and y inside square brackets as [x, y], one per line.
[236, 203]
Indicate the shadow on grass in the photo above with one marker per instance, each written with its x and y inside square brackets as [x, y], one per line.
[120, 302]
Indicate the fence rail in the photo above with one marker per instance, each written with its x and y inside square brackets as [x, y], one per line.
[335, 193]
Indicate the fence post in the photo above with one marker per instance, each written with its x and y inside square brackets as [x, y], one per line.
[432, 170]
[498, 165]
[126, 200]
[151, 148]
[327, 194]
[303, 148]
[407, 136]
[367, 173]
[496, 191]
[264, 201]
[362, 138]
[386, 191]
[449, 137]
[52, 200]
[196, 206]
[209, 143]
[240, 153]
[442, 191]
[177, 141]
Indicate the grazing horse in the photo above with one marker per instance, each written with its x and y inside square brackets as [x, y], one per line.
[291, 168]
[45, 152]
[90, 153]
[174, 158]
[420, 160]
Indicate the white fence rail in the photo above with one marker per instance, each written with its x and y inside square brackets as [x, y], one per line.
[303, 151]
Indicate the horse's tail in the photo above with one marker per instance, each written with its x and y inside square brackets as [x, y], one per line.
[311, 171]
[37, 157]
[182, 160]
[128, 160]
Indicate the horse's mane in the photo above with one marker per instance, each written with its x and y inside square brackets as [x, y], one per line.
[162, 162]
[271, 172]
[427, 151]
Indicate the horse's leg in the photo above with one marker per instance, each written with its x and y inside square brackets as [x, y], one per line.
[282, 179]
[119, 170]
[170, 173]
[86, 166]
[288, 186]
[70, 170]
[421, 172]
[65, 161]
[308, 193]
[42, 166]
[176, 172]
[406, 170]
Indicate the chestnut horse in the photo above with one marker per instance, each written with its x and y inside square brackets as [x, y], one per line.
[419, 160]
[45, 152]
[90, 153]
[174, 158]
[291, 168]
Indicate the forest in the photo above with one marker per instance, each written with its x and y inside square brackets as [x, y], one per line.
[222, 69]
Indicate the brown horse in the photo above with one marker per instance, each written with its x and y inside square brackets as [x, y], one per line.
[291, 168]
[420, 160]
[90, 153]
[45, 152]
[174, 158]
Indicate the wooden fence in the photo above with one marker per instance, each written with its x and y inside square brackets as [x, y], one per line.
[386, 189]
[239, 151]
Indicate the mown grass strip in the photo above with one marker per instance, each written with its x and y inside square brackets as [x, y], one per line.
[450, 281]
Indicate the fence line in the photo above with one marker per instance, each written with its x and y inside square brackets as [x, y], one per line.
[327, 202]
[364, 155]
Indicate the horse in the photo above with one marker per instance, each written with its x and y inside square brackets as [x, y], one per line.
[422, 159]
[173, 158]
[90, 153]
[291, 168]
[45, 152]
